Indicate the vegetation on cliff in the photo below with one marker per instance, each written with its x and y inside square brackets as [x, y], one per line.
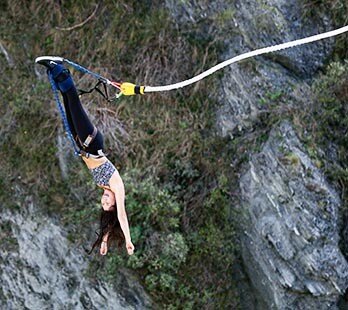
[177, 193]
[177, 171]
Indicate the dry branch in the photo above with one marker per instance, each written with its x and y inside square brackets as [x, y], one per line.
[80, 24]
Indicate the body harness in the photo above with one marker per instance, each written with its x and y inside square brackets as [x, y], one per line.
[129, 89]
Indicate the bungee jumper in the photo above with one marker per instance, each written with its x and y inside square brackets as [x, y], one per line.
[88, 143]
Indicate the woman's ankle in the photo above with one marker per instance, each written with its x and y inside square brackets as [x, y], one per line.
[62, 77]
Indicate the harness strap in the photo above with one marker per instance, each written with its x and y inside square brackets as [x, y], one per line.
[89, 139]
[104, 94]
[89, 155]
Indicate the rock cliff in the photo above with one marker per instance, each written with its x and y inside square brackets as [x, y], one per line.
[290, 242]
[290, 233]
[34, 248]
[250, 25]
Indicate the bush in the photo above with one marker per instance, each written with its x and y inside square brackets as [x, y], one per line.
[160, 247]
[331, 110]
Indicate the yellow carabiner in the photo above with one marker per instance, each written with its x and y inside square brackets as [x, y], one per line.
[130, 89]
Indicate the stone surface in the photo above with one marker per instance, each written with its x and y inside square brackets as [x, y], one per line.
[261, 24]
[248, 90]
[40, 269]
[290, 241]
[290, 234]
[187, 13]
[270, 22]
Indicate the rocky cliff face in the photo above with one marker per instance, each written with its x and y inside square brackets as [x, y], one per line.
[289, 238]
[250, 25]
[245, 87]
[290, 242]
[41, 270]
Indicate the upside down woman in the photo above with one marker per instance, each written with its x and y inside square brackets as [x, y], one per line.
[113, 219]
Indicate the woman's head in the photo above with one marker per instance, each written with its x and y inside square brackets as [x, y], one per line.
[108, 200]
[110, 225]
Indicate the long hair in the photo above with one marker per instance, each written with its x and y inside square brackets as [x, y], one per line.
[109, 224]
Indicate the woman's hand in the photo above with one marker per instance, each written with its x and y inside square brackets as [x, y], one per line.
[130, 247]
[103, 248]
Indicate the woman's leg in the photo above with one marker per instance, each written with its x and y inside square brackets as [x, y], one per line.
[80, 124]
[83, 127]
[68, 115]
[78, 116]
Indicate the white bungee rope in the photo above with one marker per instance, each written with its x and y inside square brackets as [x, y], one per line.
[129, 89]
[132, 89]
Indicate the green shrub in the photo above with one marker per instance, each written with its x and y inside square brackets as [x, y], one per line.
[160, 248]
[330, 110]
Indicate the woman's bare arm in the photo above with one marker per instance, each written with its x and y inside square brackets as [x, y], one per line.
[117, 186]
